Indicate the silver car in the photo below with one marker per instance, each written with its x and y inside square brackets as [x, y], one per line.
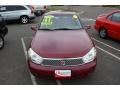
[17, 12]
[39, 9]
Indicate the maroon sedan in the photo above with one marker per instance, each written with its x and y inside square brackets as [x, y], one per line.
[61, 47]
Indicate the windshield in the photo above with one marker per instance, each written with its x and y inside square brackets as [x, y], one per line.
[59, 22]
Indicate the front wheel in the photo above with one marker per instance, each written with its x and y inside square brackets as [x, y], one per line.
[103, 33]
[38, 13]
[1, 42]
[24, 19]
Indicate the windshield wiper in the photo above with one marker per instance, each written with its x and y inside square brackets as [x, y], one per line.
[46, 29]
[55, 29]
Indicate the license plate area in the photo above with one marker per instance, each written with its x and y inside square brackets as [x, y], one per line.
[62, 73]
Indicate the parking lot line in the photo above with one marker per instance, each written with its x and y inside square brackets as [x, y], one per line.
[106, 44]
[25, 51]
[58, 82]
[82, 12]
[118, 58]
[88, 19]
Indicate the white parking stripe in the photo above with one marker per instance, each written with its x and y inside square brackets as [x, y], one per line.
[25, 51]
[91, 19]
[28, 37]
[24, 48]
[105, 44]
[82, 12]
[108, 53]
[88, 19]
[58, 82]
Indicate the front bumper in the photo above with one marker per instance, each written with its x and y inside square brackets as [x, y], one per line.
[49, 72]
[96, 27]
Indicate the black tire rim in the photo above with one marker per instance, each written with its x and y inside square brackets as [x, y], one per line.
[103, 33]
[24, 20]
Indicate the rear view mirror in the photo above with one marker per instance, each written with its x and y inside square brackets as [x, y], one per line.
[86, 27]
[34, 28]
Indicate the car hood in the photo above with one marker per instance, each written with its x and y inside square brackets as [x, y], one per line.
[61, 44]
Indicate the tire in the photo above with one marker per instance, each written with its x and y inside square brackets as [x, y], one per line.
[38, 13]
[4, 31]
[24, 19]
[103, 33]
[1, 42]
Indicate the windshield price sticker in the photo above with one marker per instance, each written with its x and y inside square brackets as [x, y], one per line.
[47, 20]
[75, 16]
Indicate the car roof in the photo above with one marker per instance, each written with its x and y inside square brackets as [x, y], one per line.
[116, 11]
[60, 12]
[113, 11]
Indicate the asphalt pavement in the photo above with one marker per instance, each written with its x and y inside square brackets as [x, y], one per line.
[13, 64]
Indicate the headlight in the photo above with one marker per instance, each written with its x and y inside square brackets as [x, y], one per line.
[34, 57]
[89, 56]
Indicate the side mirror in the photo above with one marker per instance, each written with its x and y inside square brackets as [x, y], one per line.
[34, 28]
[3, 8]
[86, 27]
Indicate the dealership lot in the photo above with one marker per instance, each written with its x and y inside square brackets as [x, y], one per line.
[13, 65]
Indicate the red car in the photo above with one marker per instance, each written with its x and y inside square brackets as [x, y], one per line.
[61, 47]
[109, 25]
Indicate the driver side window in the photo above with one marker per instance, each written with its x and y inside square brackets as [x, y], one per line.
[115, 17]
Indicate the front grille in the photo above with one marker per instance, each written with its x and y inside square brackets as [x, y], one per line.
[62, 62]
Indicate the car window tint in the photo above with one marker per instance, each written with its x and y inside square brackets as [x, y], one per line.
[29, 6]
[14, 8]
[10, 8]
[20, 8]
[109, 17]
[116, 17]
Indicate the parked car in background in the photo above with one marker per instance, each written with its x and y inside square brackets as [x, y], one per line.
[39, 9]
[17, 12]
[108, 25]
[61, 47]
[3, 31]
